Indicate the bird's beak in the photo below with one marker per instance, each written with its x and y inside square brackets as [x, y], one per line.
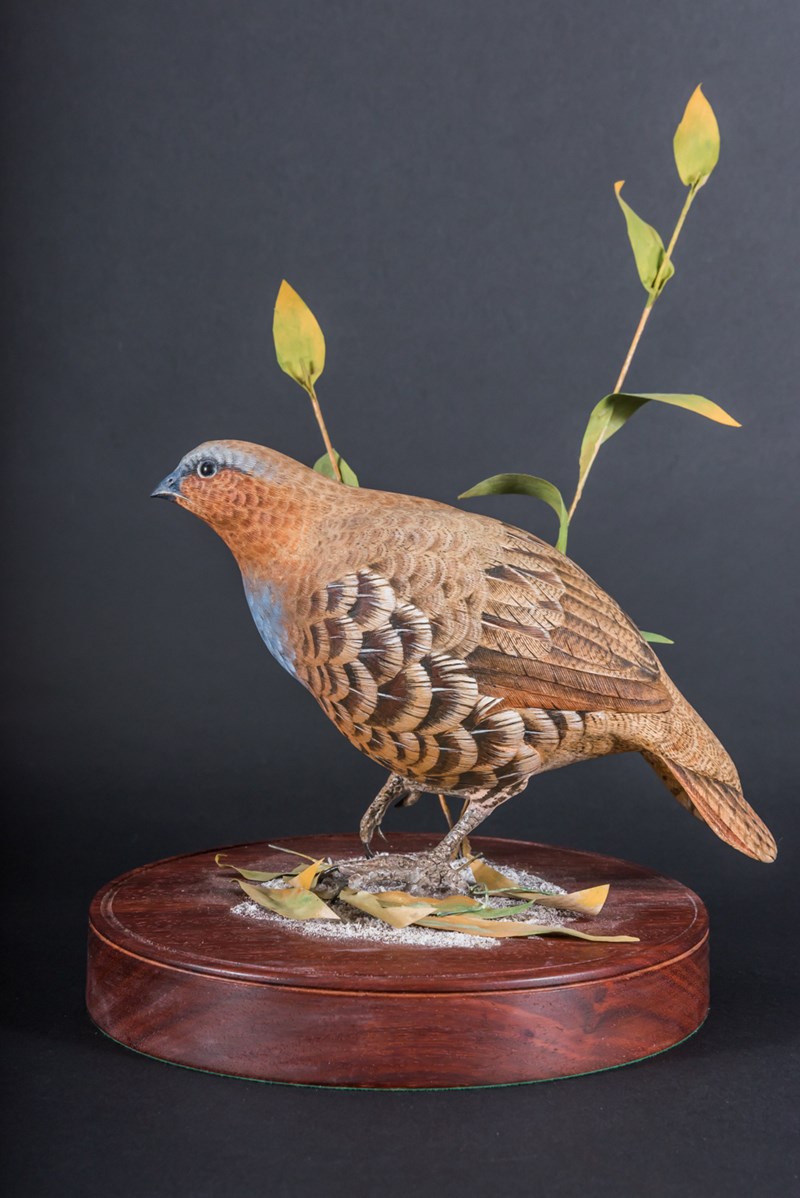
[168, 488]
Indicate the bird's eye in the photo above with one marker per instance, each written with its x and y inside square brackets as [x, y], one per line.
[207, 469]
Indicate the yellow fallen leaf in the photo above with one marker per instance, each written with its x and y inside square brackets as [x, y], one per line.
[453, 904]
[472, 925]
[308, 876]
[491, 878]
[588, 902]
[394, 914]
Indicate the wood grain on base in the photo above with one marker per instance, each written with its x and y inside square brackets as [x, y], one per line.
[173, 974]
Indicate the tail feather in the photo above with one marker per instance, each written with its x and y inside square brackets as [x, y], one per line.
[720, 804]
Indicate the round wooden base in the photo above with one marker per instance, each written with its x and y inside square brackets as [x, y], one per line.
[172, 973]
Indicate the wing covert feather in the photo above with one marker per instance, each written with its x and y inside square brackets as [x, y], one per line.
[550, 637]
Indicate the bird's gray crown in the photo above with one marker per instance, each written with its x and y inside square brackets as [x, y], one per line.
[232, 455]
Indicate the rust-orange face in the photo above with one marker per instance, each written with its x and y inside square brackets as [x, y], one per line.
[222, 482]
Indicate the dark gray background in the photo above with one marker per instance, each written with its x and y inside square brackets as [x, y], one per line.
[435, 179]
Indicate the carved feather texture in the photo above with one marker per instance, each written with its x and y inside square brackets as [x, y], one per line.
[460, 653]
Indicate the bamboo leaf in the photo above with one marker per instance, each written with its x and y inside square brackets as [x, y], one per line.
[489, 877]
[394, 914]
[587, 902]
[308, 876]
[655, 638]
[526, 484]
[472, 925]
[647, 246]
[252, 875]
[299, 343]
[609, 415]
[499, 912]
[323, 466]
[293, 902]
[280, 848]
[696, 141]
[456, 904]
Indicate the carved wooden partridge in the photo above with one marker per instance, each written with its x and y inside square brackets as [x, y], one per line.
[460, 653]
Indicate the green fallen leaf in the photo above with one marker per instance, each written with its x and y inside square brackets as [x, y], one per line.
[252, 875]
[655, 638]
[696, 142]
[293, 902]
[483, 912]
[609, 415]
[299, 343]
[397, 915]
[526, 484]
[648, 249]
[323, 466]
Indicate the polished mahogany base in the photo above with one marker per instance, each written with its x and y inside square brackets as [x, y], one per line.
[173, 974]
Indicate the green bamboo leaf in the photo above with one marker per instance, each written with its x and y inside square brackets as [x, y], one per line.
[526, 484]
[323, 466]
[696, 142]
[293, 902]
[253, 875]
[609, 415]
[648, 248]
[655, 638]
[299, 343]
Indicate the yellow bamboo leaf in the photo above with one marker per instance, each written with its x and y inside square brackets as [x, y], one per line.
[472, 925]
[491, 878]
[299, 343]
[308, 876]
[455, 904]
[587, 902]
[696, 142]
[398, 916]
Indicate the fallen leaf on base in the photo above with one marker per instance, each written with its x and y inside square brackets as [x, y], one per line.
[293, 902]
[396, 914]
[472, 925]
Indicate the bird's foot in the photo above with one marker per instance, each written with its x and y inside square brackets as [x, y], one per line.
[395, 793]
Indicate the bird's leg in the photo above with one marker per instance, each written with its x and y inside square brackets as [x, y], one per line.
[475, 812]
[394, 793]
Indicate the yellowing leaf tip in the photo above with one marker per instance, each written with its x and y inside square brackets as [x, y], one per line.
[299, 343]
[697, 141]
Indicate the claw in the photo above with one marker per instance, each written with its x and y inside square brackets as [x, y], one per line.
[367, 847]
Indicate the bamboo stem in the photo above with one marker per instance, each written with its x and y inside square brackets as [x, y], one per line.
[637, 336]
[322, 428]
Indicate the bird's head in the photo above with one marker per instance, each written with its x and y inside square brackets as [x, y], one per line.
[242, 490]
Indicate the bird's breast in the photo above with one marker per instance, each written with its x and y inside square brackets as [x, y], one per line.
[266, 608]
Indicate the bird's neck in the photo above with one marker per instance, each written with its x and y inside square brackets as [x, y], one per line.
[277, 529]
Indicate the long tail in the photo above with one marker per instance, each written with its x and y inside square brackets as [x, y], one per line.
[689, 759]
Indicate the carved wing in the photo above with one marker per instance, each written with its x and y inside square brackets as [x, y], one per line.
[550, 637]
